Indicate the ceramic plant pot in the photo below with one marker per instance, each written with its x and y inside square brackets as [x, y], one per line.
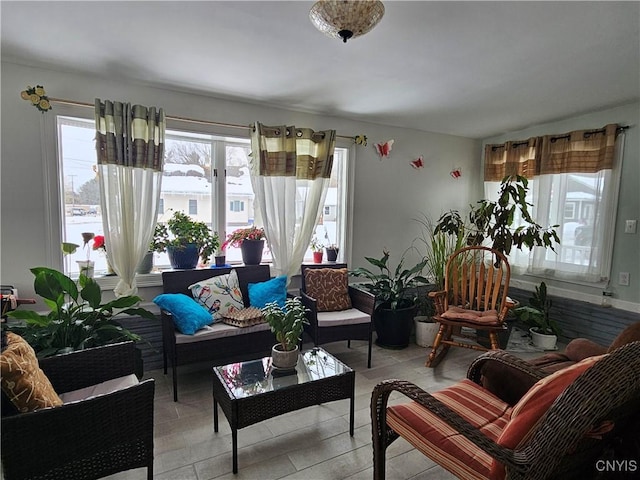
[284, 360]
[425, 332]
[317, 257]
[252, 251]
[543, 341]
[393, 327]
[332, 254]
[146, 265]
[184, 258]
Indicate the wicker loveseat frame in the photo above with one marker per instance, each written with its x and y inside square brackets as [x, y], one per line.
[247, 345]
[86, 439]
[559, 445]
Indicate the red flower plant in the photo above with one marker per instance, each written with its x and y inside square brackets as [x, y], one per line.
[236, 237]
[98, 243]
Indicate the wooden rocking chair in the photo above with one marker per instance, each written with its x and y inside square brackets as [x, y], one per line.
[474, 297]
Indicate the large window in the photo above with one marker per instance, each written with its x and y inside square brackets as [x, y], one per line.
[583, 205]
[205, 175]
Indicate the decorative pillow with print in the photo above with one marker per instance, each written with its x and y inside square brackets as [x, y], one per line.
[329, 287]
[220, 295]
[23, 381]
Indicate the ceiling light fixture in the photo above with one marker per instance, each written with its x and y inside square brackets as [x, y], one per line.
[346, 19]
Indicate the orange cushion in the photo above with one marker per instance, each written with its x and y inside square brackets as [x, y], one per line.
[23, 382]
[329, 287]
[428, 433]
[487, 317]
[534, 404]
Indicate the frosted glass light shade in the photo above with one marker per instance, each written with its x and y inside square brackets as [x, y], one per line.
[346, 19]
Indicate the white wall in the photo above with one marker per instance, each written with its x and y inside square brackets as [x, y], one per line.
[626, 249]
[388, 194]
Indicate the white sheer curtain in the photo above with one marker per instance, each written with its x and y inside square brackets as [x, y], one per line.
[130, 150]
[575, 187]
[290, 171]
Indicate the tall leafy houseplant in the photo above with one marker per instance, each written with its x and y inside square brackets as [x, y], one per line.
[395, 292]
[77, 319]
[395, 289]
[182, 231]
[493, 221]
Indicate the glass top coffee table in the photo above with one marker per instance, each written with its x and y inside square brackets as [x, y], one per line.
[250, 392]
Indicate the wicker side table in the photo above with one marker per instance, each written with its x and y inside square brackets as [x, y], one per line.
[249, 392]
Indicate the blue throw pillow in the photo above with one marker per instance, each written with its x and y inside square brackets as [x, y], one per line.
[188, 315]
[274, 290]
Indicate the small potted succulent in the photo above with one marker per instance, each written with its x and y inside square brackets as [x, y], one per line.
[250, 240]
[287, 323]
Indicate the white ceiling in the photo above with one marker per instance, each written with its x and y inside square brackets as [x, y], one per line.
[474, 69]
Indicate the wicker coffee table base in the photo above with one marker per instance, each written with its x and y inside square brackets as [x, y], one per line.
[242, 412]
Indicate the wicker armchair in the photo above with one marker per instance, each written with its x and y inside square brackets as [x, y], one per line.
[331, 326]
[86, 439]
[463, 427]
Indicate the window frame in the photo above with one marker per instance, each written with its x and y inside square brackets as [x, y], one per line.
[610, 198]
[54, 185]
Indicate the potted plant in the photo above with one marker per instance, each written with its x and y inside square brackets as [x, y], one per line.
[395, 294]
[317, 249]
[438, 246]
[77, 318]
[251, 243]
[332, 253]
[426, 328]
[287, 323]
[544, 331]
[493, 221]
[185, 240]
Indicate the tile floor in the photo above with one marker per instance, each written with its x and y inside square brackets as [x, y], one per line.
[310, 444]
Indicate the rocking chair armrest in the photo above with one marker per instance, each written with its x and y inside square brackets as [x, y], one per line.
[380, 398]
[439, 300]
[506, 376]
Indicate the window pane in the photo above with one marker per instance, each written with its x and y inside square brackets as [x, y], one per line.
[239, 193]
[330, 229]
[80, 191]
[580, 205]
[194, 164]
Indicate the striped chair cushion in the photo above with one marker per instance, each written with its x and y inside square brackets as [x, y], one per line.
[428, 433]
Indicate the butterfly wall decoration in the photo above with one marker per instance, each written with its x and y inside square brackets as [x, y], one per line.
[383, 149]
[456, 172]
[418, 162]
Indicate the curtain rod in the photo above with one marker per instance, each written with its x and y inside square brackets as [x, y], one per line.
[172, 117]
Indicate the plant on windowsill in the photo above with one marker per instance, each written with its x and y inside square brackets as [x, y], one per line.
[250, 240]
[185, 240]
[316, 249]
[77, 319]
[287, 323]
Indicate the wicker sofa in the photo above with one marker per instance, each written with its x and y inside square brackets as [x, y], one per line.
[222, 343]
[88, 438]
